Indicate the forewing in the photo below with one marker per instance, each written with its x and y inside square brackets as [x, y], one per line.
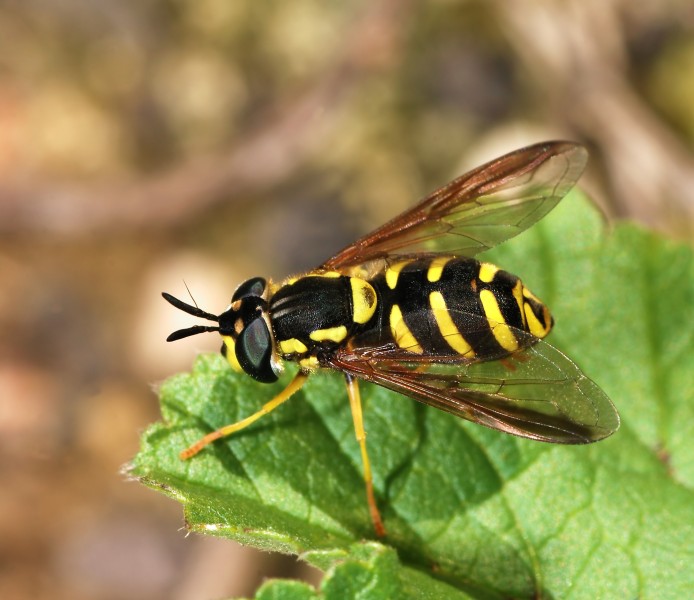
[477, 210]
[536, 393]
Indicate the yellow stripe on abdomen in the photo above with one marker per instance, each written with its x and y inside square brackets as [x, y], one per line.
[393, 272]
[401, 332]
[435, 269]
[532, 305]
[447, 327]
[487, 272]
[502, 332]
[534, 325]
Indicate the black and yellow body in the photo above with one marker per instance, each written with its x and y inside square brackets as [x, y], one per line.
[423, 305]
[408, 308]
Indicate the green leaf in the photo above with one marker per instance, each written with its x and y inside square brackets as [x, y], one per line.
[367, 571]
[286, 590]
[490, 515]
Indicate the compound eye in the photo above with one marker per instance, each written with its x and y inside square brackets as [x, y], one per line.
[254, 351]
[253, 287]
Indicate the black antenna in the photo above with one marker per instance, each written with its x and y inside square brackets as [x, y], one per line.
[194, 330]
[187, 308]
[191, 310]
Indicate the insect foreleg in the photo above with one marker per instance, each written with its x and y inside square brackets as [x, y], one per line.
[283, 396]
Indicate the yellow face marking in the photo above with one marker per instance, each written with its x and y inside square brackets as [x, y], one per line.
[363, 300]
[401, 333]
[310, 363]
[436, 268]
[487, 272]
[238, 326]
[231, 353]
[333, 334]
[502, 332]
[393, 272]
[447, 327]
[518, 297]
[292, 346]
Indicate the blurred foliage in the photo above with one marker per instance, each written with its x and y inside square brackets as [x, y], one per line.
[669, 87]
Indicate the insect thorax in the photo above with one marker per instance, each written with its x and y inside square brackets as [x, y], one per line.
[318, 312]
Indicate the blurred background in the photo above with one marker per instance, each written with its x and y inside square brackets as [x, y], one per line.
[148, 142]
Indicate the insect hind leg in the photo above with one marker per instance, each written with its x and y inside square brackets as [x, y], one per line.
[295, 385]
[355, 405]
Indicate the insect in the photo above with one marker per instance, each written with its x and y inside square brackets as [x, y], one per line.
[408, 307]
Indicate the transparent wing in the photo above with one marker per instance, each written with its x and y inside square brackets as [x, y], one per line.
[477, 210]
[536, 393]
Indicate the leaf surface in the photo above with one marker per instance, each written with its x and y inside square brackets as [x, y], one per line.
[467, 508]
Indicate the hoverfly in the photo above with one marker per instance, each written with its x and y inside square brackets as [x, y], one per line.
[408, 307]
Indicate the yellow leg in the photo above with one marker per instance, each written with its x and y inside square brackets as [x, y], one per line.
[283, 396]
[355, 404]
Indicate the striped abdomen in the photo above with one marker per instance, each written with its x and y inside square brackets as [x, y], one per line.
[447, 305]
